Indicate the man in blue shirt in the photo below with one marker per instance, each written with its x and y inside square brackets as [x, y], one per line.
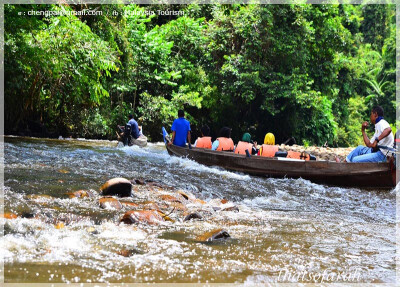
[180, 130]
[134, 127]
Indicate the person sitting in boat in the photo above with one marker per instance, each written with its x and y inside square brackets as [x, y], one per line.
[268, 149]
[246, 144]
[205, 140]
[383, 136]
[134, 127]
[180, 130]
[135, 130]
[224, 141]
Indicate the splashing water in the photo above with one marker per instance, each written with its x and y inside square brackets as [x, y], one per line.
[284, 228]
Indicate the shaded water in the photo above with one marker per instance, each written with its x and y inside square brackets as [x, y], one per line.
[285, 231]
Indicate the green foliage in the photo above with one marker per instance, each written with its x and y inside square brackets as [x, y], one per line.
[308, 71]
[350, 133]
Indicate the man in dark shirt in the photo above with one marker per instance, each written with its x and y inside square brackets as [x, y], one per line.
[134, 127]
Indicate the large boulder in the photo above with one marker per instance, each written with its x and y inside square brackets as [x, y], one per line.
[117, 186]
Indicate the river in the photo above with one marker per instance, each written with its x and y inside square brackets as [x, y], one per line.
[282, 230]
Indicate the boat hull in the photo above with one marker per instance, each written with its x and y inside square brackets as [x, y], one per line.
[366, 175]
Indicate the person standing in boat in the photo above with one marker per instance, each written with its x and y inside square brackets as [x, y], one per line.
[224, 142]
[383, 136]
[205, 140]
[180, 130]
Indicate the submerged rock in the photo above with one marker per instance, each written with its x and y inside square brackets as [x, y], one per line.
[9, 215]
[191, 216]
[214, 235]
[65, 218]
[110, 203]
[117, 186]
[59, 225]
[128, 204]
[230, 208]
[80, 193]
[140, 181]
[142, 216]
[184, 195]
[129, 252]
[169, 198]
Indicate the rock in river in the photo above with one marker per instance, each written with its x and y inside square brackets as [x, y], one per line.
[142, 216]
[80, 193]
[110, 203]
[214, 235]
[117, 186]
[191, 216]
[8, 215]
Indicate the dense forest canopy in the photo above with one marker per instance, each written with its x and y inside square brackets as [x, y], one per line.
[312, 72]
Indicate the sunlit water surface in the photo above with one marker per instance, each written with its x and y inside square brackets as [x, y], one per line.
[284, 229]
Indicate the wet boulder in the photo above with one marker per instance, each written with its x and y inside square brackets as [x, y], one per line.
[151, 217]
[110, 203]
[117, 186]
[194, 215]
[214, 235]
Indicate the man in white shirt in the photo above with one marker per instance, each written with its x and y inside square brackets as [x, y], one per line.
[383, 136]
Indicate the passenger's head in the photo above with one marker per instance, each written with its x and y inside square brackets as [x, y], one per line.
[130, 116]
[269, 139]
[225, 132]
[246, 138]
[205, 131]
[181, 113]
[376, 112]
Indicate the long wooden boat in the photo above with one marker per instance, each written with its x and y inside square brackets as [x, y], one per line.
[366, 175]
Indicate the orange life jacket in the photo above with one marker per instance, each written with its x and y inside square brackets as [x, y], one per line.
[204, 142]
[269, 150]
[225, 144]
[298, 155]
[242, 146]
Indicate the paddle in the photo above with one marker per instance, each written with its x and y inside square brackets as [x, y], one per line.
[165, 136]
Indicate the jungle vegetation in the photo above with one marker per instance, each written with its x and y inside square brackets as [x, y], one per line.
[312, 72]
